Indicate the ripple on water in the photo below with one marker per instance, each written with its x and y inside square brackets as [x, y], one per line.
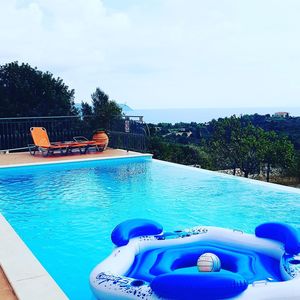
[66, 213]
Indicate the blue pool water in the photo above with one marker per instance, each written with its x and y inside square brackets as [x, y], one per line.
[66, 212]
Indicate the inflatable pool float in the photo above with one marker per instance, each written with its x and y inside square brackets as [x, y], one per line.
[150, 264]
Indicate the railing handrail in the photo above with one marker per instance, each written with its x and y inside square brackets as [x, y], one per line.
[60, 117]
[30, 118]
[133, 116]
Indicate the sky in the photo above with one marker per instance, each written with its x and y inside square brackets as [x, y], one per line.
[161, 53]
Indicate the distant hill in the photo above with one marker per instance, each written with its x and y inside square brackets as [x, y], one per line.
[194, 132]
[78, 106]
[125, 107]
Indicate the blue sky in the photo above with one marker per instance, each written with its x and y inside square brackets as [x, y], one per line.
[162, 53]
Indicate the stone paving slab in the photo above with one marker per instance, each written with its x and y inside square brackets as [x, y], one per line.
[21, 158]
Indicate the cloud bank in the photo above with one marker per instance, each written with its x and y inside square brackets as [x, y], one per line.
[161, 53]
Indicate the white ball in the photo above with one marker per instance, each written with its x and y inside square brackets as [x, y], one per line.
[209, 262]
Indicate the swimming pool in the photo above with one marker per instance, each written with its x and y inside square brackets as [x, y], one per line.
[66, 212]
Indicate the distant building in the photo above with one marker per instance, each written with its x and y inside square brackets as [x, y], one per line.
[184, 133]
[281, 114]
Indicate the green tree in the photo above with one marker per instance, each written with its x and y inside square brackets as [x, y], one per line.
[278, 151]
[87, 115]
[86, 109]
[294, 168]
[105, 111]
[250, 151]
[235, 143]
[225, 142]
[183, 154]
[26, 91]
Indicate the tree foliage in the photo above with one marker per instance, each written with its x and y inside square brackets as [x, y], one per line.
[224, 142]
[26, 91]
[105, 110]
[86, 109]
[251, 152]
[277, 151]
[237, 143]
[183, 154]
[294, 169]
[228, 143]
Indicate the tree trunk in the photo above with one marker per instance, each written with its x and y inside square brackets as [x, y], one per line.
[234, 171]
[268, 172]
[246, 173]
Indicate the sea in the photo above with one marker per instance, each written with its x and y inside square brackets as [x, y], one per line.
[202, 115]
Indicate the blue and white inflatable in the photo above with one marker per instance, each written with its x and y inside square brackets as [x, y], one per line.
[149, 264]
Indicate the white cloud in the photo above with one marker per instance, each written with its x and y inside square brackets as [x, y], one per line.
[161, 53]
[60, 37]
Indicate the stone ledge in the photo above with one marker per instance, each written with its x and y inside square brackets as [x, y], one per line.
[27, 277]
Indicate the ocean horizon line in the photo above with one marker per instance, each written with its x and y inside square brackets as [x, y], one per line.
[223, 107]
[202, 115]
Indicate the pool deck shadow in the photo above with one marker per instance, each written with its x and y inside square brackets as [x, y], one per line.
[24, 158]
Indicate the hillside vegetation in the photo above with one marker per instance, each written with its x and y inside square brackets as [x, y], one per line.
[255, 145]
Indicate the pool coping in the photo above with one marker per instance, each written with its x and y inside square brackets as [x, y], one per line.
[75, 160]
[26, 275]
[249, 180]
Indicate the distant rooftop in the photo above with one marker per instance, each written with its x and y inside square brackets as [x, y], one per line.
[282, 114]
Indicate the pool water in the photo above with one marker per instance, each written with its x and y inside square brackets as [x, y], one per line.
[66, 212]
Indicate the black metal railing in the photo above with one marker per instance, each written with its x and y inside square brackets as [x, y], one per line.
[15, 132]
[128, 141]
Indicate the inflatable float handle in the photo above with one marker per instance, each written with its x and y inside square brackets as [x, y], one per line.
[280, 232]
[126, 230]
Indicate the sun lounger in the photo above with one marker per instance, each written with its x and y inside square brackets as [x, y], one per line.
[99, 146]
[42, 144]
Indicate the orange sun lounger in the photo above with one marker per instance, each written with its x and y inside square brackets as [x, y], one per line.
[42, 144]
[99, 146]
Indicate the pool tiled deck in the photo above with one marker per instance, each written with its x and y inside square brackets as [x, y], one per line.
[23, 158]
[21, 275]
[6, 291]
